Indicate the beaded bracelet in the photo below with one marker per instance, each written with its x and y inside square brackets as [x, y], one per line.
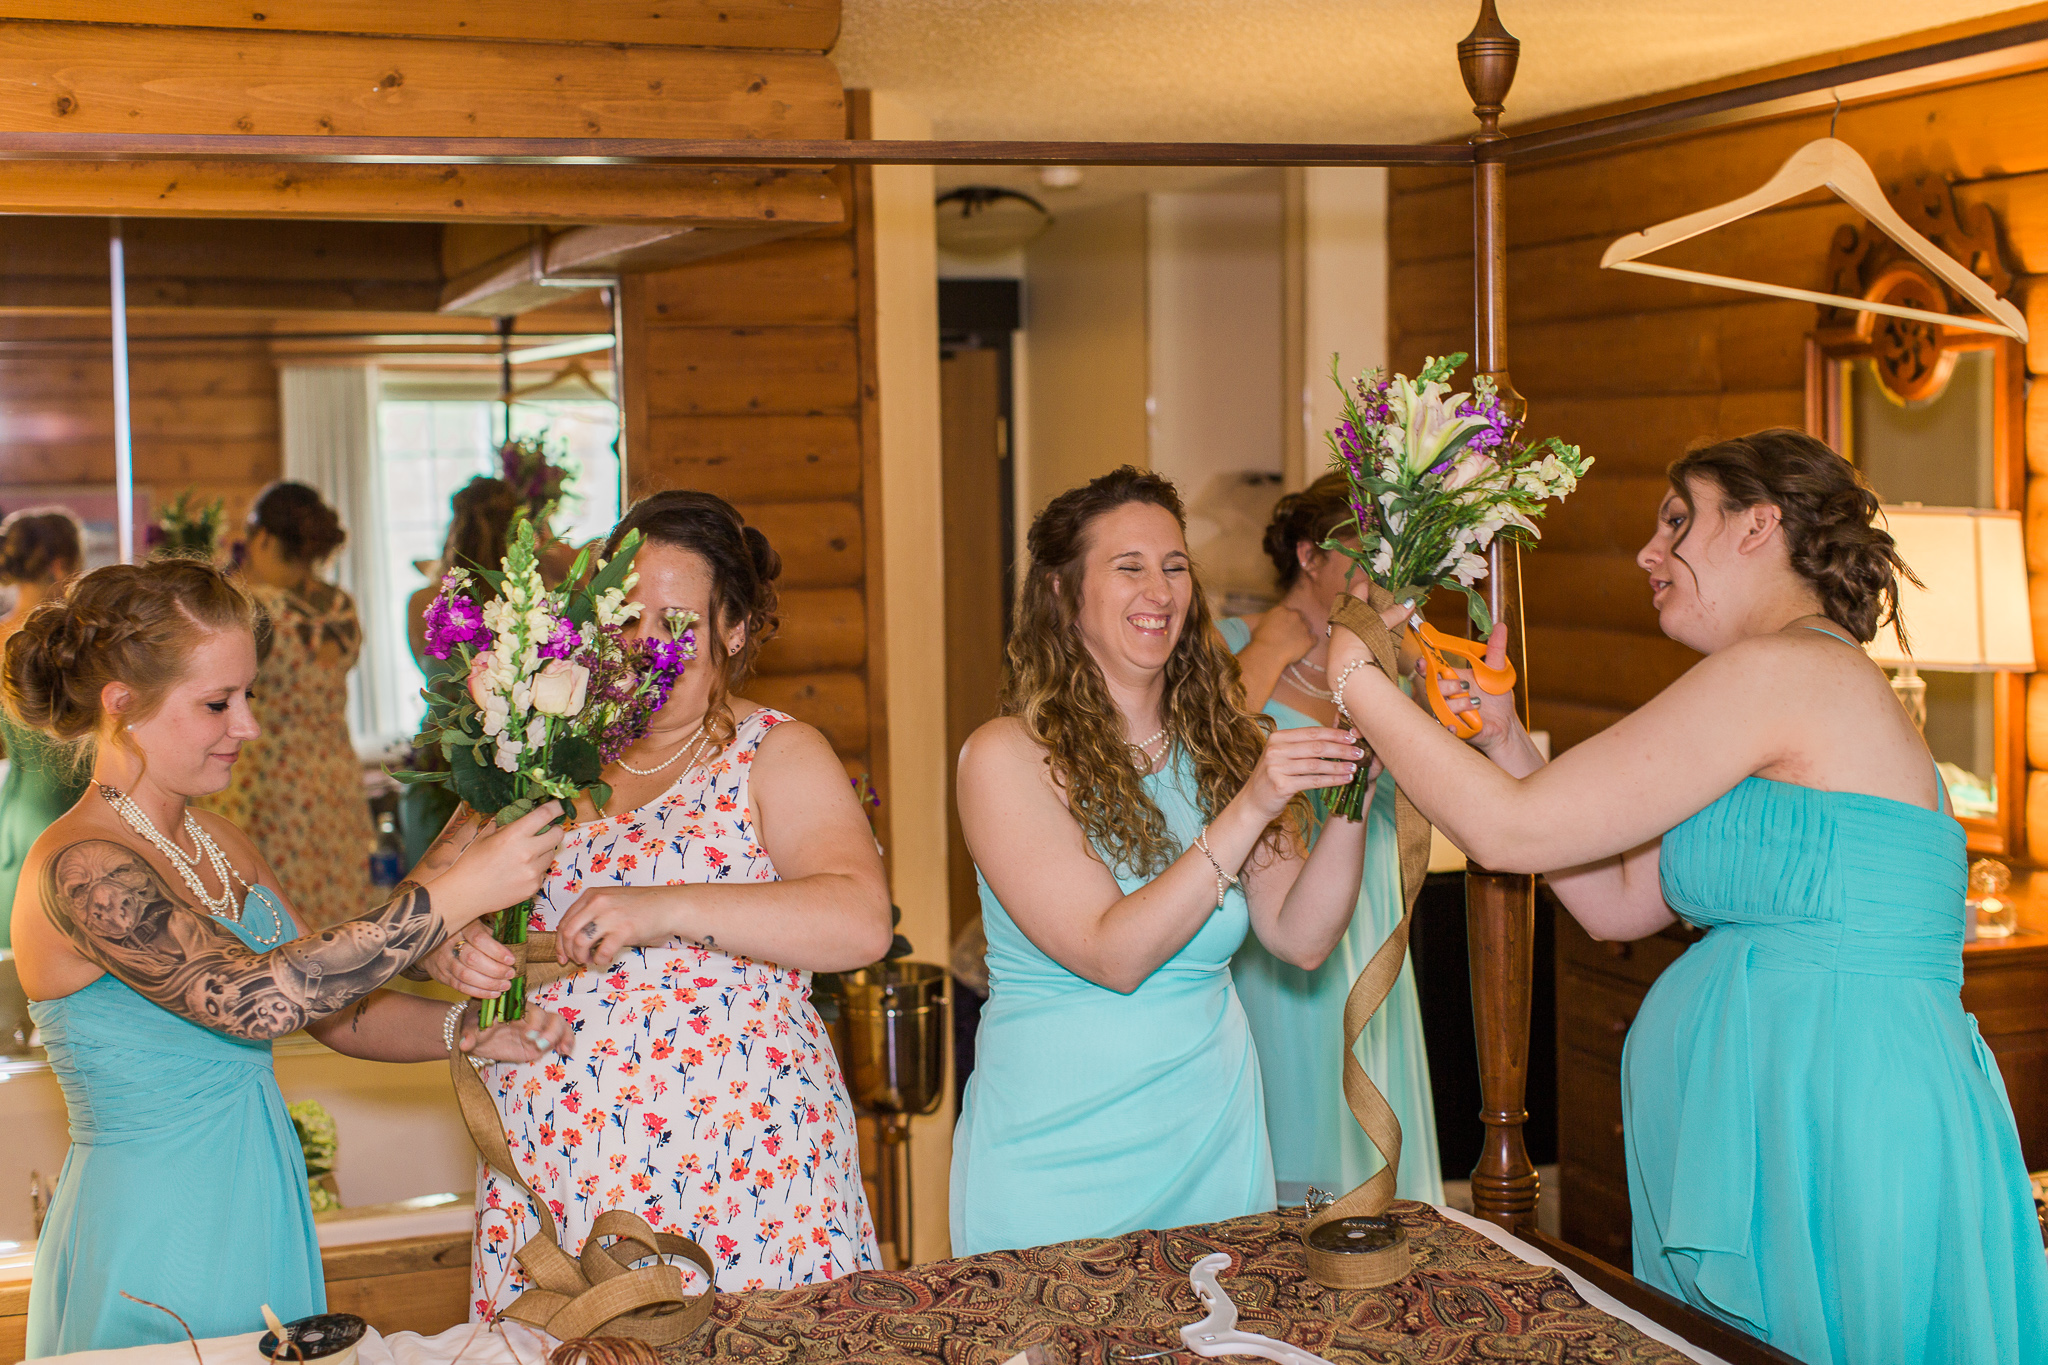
[1224, 881]
[1343, 677]
[451, 1027]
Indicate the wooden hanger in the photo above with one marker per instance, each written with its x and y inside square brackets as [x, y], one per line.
[1836, 165]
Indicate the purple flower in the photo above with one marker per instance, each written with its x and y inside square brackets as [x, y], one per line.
[563, 644]
[454, 620]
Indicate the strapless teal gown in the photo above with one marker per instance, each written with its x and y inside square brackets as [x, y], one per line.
[42, 783]
[1297, 1018]
[1820, 1150]
[1091, 1113]
[185, 1184]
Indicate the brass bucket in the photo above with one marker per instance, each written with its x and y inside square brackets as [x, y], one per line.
[892, 1029]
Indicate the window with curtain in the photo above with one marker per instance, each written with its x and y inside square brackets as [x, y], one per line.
[436, 434]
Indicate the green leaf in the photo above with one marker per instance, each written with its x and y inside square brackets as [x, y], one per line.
[578, 760]
[600, 795]
[412, 779]
[486, 787]
[899, 947]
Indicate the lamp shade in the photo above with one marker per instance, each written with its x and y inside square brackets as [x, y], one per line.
[1972, 615]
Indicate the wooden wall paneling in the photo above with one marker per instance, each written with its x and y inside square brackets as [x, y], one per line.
[821, 629]
[1594, 591]
[1550, 281]
[1612, 668]
[799, 282]
[821, 543]
[1568, 722]
[503, 194]
[1741, 346]
[755, 460]
[837, 703]
[810, 25]
[732, 370]
[1968, 132]
[1640, 434]
[99, 78]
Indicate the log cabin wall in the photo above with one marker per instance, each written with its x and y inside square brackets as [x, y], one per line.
[205, 416]
[1636, 369]
[750, 375]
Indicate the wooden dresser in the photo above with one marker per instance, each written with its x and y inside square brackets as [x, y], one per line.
[1601, 985]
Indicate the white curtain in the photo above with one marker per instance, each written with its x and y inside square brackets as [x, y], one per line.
[329, 415]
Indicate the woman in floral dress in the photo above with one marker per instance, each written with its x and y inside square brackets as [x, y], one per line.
[731, 862]
[298, 789]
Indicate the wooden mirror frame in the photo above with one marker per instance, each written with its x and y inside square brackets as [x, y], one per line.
[1830, 354]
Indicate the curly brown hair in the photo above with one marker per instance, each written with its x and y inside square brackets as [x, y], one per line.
[1055, 687]
[1828, 513]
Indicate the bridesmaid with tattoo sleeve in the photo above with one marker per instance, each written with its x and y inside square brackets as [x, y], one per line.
[160, 962]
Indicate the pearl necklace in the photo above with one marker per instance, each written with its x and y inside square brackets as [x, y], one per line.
[702, 733]
[223, 907]
[1305, 686]
[1143, 749]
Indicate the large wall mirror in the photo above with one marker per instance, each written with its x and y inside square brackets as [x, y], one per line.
[1933, 416]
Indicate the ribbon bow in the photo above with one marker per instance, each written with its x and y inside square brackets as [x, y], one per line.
[600, 1290]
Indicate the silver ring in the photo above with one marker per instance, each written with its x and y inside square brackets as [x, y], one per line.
[535, 1037]
[456, 951]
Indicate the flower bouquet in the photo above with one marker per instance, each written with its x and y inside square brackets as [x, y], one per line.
[1435, 478]
[187, 528]
[537, 691]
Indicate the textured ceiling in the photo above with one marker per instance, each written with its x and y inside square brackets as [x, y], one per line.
[1314, 70]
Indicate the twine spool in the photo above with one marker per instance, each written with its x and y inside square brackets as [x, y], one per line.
[1358, 1253]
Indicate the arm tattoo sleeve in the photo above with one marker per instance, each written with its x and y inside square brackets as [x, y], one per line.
[119, 913]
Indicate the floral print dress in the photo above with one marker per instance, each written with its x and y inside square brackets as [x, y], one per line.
[703, 1095]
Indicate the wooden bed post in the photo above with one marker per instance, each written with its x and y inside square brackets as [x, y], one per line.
[1500, 907]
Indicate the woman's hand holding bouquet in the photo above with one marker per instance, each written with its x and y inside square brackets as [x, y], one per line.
[538, 691]
[1436, 477]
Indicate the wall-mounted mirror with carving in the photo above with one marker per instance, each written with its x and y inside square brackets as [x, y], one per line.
[1933, 416]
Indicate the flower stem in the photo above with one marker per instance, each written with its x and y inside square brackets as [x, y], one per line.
[509, 926]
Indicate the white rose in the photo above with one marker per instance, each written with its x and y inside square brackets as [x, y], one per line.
[560, 687]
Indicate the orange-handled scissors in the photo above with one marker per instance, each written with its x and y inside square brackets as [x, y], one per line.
[1437, 670]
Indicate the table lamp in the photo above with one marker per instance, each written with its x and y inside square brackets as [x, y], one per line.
[1972, 616]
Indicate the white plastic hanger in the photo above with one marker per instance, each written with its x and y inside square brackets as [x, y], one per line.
[1836, 165]
[1217, 1334]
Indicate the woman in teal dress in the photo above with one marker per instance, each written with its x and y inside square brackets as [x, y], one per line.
[160, 963]
[1130, 824]
[39, 551]
[1297, 1016]
[1820, 1150]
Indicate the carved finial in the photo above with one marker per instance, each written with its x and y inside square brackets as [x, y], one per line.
[1487, 58]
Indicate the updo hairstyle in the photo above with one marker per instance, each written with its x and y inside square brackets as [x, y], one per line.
[1313, 515]
[38, 544]
[1828, 514]
[128, 623]
[744, 567]
[306, 529]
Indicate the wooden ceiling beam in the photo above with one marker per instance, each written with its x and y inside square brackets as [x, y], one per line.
[535, 274]
[81, 78]
[795, 25]
[479, 194]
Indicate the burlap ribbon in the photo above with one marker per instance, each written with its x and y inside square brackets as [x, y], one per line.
[1370, 990]
[600, 1290]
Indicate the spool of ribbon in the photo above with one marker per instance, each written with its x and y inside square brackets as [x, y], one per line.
[1349, 1241]
[600, 1290]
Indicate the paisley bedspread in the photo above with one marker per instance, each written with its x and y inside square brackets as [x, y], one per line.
[1469, 1300]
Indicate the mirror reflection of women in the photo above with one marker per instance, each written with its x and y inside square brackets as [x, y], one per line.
[731, 862]
[297, 788]
[1820, 1149]
[1298, 1016]
[1130, 825]
[161, 958]
[39, 553]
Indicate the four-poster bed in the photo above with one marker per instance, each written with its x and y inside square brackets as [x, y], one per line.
[1500, 906]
